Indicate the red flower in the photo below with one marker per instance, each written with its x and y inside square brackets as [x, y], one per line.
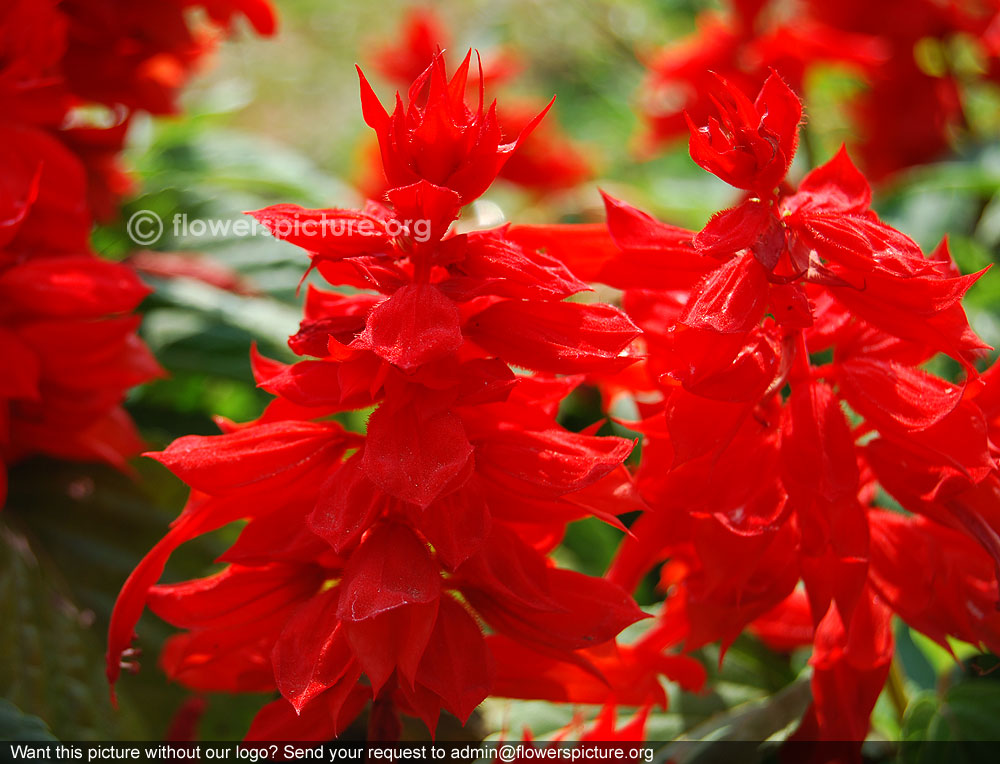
[440, 139]
[383, 554]
[850, 665]
[140, 55]
[907, 111]
[907, 115]
[824, 234]
[757, 479]
[69, 346]
[546, 161]
[743, 45]
[32, 44]
[422, 36]
[750, 145]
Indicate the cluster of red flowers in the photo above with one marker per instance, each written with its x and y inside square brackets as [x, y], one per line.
[784, 404]
[905, 50]
[783, 397]
[67, 340]
[370, 561]
[547, 161]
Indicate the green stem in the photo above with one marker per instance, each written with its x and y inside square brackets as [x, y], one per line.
[896, 686]
[807, 143]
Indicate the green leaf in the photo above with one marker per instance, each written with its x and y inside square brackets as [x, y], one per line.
[80, 530]
[17, 725]
[260, 317]
[916, 662]
[590, 544]
[757, 720]
[53, 659]
[965, 715]
[232, 161]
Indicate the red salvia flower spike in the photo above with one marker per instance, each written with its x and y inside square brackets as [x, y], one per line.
[753, 146]
[403, 548]
[760, 487]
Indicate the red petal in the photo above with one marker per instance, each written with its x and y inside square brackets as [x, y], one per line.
[21, 368]
[396, 639]
[71, 286]
[896, 396]
[511, 270]
[456, 525]
[511, 572]
[591, 611]
[456, 665]
[390, 569]
[416, 325]
[331, 233]
[584, 248]
[347, 505]
[837, 186]
[732, 230]
[312, 653]
[817, 446]
[416, 450]
[235, 595]
[225, 463]
[731, 299]
[558, 337]
[320, 721]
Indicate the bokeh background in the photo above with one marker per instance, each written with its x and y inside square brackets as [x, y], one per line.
[278, 120]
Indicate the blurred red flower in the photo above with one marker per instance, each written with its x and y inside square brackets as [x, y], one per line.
[70, 349]
[907, 111]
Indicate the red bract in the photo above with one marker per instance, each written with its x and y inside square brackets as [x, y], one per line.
[437, 137]
[546, 160]
[383, 555]
[749, 145]
[761, 463]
